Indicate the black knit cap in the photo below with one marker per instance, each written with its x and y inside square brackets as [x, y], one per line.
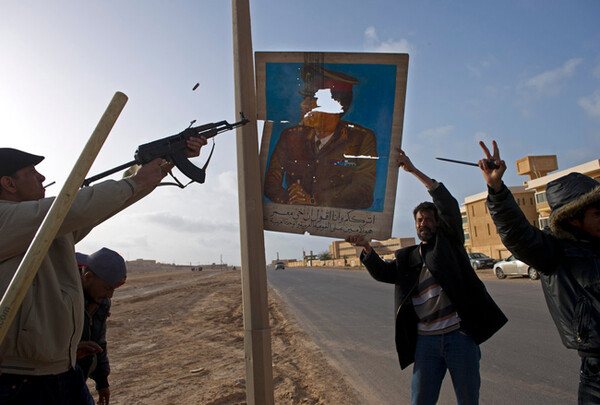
[12, 160]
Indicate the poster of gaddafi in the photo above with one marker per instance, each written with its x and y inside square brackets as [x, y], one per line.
[333, 122]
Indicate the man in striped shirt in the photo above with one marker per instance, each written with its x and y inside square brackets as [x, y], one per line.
[443, 311]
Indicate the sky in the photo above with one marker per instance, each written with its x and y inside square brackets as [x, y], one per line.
[525, 73]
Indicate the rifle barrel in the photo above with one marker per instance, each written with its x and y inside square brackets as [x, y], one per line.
[92, 179]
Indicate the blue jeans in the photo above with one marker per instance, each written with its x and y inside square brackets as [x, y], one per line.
[68, 388]
[455, 351]
[589, 381]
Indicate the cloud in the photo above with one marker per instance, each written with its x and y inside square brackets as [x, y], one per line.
[550, 82]
[546, 84]
[482, 136]
[370, 34]
[435, 134]
[184, 223]
[591, 104]
[576, 156]
[596, 72]
[477, 69]
[228, 184]
[374, 44]
[209, 208]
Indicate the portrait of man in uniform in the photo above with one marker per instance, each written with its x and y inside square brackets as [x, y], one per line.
[324, 160]
[330, 122]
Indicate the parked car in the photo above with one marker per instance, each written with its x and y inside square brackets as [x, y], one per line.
[481, 261]
[279, 266]
[513, 267]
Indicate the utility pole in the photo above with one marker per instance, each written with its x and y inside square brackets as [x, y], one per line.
[257, 332]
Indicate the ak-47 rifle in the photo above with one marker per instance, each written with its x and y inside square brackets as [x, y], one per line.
[172, 149]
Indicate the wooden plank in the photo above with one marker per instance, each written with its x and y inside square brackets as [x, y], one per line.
[257, 333]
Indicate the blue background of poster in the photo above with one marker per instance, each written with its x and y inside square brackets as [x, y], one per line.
[372, 107]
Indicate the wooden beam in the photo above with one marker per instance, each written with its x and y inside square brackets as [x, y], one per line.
[257, 332]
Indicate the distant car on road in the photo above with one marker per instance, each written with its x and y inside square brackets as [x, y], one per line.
[513, 267]
[279, 266]
[481, 261]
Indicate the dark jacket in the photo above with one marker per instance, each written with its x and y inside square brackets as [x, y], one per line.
[447, 260]
[96, 366]
[568, 264]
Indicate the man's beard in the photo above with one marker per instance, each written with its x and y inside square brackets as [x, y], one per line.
[427, 237]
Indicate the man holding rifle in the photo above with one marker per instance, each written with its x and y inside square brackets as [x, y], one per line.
[40, 346]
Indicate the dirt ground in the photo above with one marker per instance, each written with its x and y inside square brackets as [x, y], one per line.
[177, 338]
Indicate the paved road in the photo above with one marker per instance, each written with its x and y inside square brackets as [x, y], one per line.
[350, 316]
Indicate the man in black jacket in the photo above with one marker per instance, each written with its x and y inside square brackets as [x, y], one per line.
[567, 256]
[443, 311]
[101, 273]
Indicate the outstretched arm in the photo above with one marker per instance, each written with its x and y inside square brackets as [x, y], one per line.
[525, 241]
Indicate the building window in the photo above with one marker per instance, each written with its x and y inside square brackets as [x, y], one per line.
[464, 220]
[467, 236]
[531, 200]
[473, 210]
[488, 226]
[540, 197]
[475, 229]
[544, 222]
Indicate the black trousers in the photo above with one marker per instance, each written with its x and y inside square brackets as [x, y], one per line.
[68, 388]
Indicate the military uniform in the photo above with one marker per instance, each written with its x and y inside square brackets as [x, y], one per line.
[330, 179]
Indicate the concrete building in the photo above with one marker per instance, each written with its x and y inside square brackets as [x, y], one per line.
[340, 250]
[538, 186]
[481, 235]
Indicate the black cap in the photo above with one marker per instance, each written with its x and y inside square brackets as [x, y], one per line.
[12, 160]
[106, 264]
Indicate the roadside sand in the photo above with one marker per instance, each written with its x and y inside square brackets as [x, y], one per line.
[177, 338]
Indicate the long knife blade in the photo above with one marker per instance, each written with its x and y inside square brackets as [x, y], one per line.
[458, 161]
[490, 163]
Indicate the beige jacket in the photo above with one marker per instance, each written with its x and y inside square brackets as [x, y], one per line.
[43, 337]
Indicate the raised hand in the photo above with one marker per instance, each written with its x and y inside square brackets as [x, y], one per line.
[492, 176]
[404, 162]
